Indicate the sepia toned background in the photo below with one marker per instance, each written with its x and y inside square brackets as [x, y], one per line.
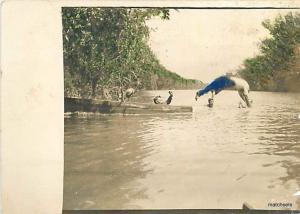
[32, 99]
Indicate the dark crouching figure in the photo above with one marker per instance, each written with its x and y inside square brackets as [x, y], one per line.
[158, 99]
[169, 100]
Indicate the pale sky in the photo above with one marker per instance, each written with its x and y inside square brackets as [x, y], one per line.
[203, 44]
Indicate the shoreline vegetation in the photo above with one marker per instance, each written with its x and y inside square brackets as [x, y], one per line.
[277, 67]
[106, 51]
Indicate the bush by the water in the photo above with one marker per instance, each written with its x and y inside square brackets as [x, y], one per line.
[106, 49]
[277, 67]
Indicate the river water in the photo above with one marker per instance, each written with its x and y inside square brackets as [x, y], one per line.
[215, 157]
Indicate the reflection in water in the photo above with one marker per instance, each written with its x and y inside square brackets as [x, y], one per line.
[103, 162]
[281, 137]
[211, 158]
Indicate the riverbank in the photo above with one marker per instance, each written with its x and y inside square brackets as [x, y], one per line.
[79, 107]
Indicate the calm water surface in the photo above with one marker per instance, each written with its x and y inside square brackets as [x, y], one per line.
[211, 158]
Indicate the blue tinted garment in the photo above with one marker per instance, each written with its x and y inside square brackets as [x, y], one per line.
[217, 85]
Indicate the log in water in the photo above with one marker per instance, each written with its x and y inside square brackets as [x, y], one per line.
[80, 105]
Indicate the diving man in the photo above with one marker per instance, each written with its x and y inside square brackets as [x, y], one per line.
[227, 82]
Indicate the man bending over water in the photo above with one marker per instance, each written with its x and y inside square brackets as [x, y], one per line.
[227, 82]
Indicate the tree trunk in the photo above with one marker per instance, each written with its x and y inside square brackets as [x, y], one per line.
[94, 86]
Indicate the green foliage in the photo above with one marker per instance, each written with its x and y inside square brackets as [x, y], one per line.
[107, 48]
[265, 71]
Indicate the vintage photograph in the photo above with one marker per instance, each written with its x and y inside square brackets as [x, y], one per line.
[181, 108]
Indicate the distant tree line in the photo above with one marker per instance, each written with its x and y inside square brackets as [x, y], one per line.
[106, 50]
[277, 67]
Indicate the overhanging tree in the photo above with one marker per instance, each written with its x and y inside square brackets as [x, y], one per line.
[107, 47]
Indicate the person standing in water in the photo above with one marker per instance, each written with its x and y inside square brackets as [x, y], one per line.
[227, 82]
[210, 102]
[169, 100]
